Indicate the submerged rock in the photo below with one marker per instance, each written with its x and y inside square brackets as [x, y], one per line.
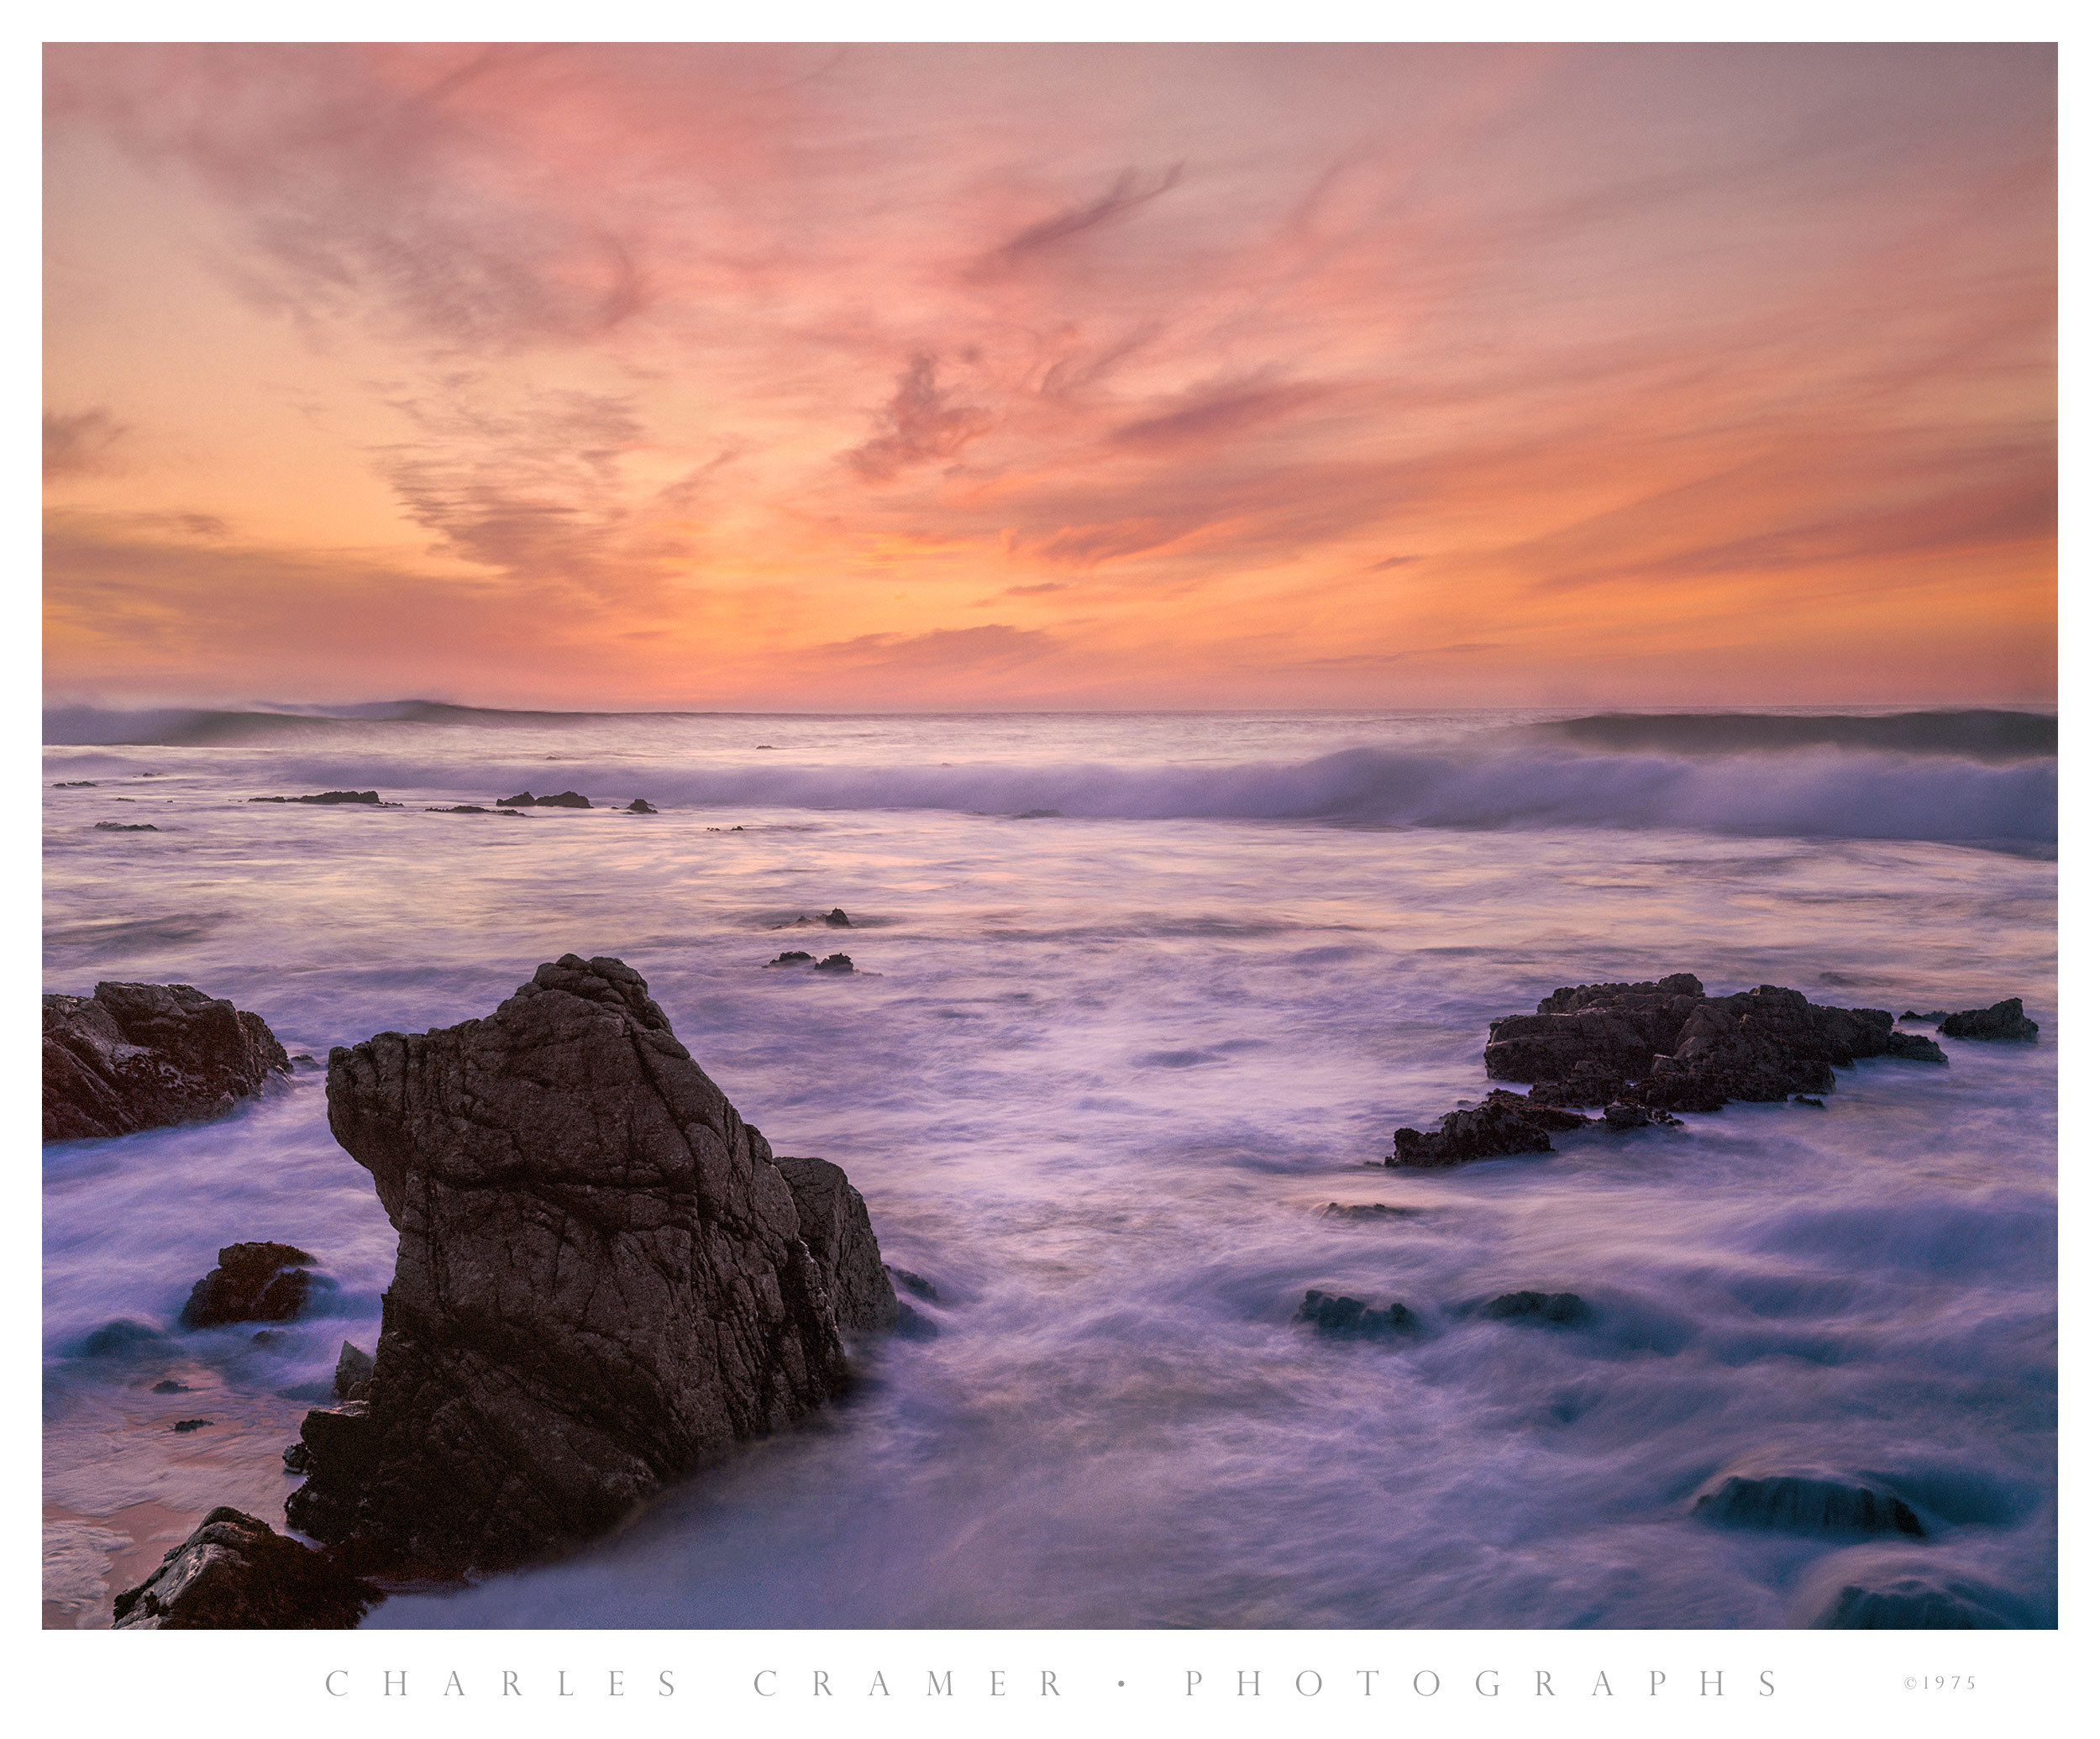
[602, 1281]
[1806, 1503]
[1564, 1308]
[143, 1056]
[236, 1573]
[366, 797]
[1503, 1123]
[2001, 1020]
[560, 800]
[125, 827]
[253, 1282]
[1342, 1317]
[1366, 1211]
[917, 1285]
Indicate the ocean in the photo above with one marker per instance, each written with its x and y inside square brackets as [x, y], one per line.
[1134, 999]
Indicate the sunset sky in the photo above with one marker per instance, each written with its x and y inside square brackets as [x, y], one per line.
[808, 377]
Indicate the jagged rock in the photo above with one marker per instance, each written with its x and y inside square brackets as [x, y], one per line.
[125, 827]
[1351, 1316]
[836, 963]
[297, 1459]
[143, 1056]
[74, 785]
[565, 799]
[523, 800]
[236, 1573]
[1669, 1046]
[793, 957]
[834, 1224]
[1561, 1307]
[352, 1373]
[917, 1284]
[1623, 1115]
[190, 1425]
[1806, 1503]
[253, 1282]
[371, 798]
[1502, 1124]
[2001, 1020]
[837, 918]
[601, 1284]
[1911, 1014]
[640, 807]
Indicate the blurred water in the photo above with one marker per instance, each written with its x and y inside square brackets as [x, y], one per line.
[1097, 1074]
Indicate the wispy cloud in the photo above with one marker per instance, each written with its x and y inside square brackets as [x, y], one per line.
[80, 445]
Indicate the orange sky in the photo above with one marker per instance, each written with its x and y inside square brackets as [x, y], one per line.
[896, 376]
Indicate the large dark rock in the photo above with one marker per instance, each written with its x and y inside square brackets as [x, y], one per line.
[236, 1573]
[369, 798]
[834, 1224]
[2001, 1020]
[560, 800]
[1351, 1318]
[602, 1281]
[253, 1282]
[143, 1056]
[1564, 1308]
[352, 1373]
[1502, 1124]
[1806, 1503]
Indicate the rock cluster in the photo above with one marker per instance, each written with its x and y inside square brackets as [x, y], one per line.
[1353, 1318]
[236, 1573]
[142, 1056]
[560, 800]
[366, 797]
[253, 1282]
[2001, 1020]
[605, 1279]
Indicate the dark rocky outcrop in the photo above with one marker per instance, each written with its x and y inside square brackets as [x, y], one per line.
[834, 1224]
[190, 1425]
[125, 827]
[794, 957]
[253, 1282]
[143, 1056]
[1923, 1601]
[352, 1373]
[837, 918]
[75, 784]
[467, 809]
[1806, 1503]
[560, 800]
[2001, 1020]
[1563, 1308]
[1352, 1317]
[602, 1281]
[236, 1573]
[1911, 1014]
[1503, 1123]
[366, 797]
[1669, 1046]
[1644, 1051]
[641, 807]
[917, 1284]
[1366, 1211]
[836, 963]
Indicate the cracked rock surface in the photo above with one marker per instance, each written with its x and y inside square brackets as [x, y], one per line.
[236, 1573]
[143, 1056]
[604, 1278]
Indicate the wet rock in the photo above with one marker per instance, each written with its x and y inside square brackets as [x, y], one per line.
[565, 799]
[836, 963]
[1923, 1598]
[143, 1056]
[1623, 1115]
[1911, 1014]
[1916, 1047]
[1806, 1503]
[1351, 1317]
[602, 1282]
[1366, 1211]
[833, 1220]
[122, 1339]
[125, 827]
[371, 798]
[640, 807]
[298, 1460]
[352, 1373]
[253, 1282]
[915, 1326]
[523, 800]
[2001, 1020]
[1503, 1124]
[1563, 1308]
[837, 918]
[917, 1285]
[189, 1425]
[168, 1385]
[236, 1573]
[1803, 1099]
[74, 785]
[468, 809]
[793, 957]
